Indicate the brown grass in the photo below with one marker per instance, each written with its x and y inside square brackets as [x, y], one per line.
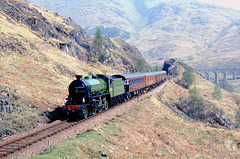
[227, 103]
[40, 79]
[152, 130]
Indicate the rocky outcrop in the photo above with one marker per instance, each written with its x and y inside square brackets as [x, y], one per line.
[2, 46]
[68, 36]
[169, 65]
[8, 101]
[17, 114]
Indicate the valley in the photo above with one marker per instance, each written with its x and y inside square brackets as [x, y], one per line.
[41, 51]
[190, 31]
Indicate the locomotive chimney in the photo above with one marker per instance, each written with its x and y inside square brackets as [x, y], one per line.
[79, 77]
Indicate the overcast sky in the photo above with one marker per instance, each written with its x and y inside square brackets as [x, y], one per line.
[235, 4]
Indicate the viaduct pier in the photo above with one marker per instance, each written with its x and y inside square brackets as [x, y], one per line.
[216, 75]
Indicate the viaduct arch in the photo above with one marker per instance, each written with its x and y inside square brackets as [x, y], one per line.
[219, 74]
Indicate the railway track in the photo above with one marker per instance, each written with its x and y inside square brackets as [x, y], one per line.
[44, 133]
[26, 141]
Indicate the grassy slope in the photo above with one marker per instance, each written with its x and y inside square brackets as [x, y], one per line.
[151, 130]
[38, 75]
[43, 73]
[227, 103]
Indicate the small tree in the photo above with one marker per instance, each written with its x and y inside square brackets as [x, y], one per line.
[157, 68]
[151, 67]
[95, 59]
[217, 93]
[188, 77]
[195, 93]
[98, 41]
[140, 67]
[195, 104]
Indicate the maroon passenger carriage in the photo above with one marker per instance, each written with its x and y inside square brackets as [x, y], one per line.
[137, 83]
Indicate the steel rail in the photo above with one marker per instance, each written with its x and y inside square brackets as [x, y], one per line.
[25, 141]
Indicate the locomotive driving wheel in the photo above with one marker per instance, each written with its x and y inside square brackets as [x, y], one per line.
[105, 103]
[93, 112]
[85, 113]
[100, 105]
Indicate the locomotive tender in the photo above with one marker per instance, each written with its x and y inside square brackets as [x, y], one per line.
[94, 93]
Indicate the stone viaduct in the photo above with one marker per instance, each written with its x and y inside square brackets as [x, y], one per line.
[219, 74]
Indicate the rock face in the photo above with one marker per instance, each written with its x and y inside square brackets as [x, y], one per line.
[61, 33]
[8, 101]
[16, 114]
[169, 65]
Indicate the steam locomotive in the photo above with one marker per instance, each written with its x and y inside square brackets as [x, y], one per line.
[92, 94]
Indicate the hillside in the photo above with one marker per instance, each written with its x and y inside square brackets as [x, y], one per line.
[41, 51]
[40, 54]
[157, 129]
[188, 30]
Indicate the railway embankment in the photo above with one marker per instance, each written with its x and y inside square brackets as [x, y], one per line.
[152, 126]
[152, 130]
[39, 140]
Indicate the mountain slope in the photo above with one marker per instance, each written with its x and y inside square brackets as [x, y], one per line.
[64, 34]
[188, 30]
[40, 53]
[122, 13]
